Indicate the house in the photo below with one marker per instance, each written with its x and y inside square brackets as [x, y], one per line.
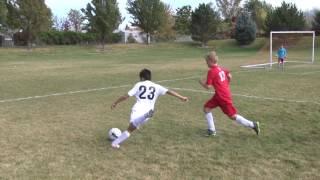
[133, 35]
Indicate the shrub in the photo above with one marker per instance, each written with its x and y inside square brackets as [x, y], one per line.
[245, 32]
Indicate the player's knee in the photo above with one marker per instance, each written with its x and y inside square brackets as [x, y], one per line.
[206, 110]
[131, 128]
[233, 117]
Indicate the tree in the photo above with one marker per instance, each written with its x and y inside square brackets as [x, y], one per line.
[103, 18]
[183, 20]
[61, 24]
[245, 32]
[258, 10]
[228, 8]
[285, 18]
[316, 23]
[76, 19]
[57, 23]
[3, 14]
[66, 25]
[149, 15]
[204, 23]
[166, 31]
[31, 16]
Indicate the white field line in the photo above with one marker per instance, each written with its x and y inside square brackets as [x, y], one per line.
[303, 73]
[169, 80]
[85, 91]
[61, 94]
[249, 96]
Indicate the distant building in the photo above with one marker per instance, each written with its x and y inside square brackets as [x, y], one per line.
[183, 38]
[133, 35]
[6, 40]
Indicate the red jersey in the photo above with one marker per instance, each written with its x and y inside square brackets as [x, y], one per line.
[219, 79]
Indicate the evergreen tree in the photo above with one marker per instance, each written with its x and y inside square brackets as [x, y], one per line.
[103, 18]
[285, 18]
[245, 32]
[183, 20]
[149, 15]
[3, 14]
[204, 23]
[316, 23]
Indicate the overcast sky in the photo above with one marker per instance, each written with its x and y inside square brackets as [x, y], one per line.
[60, 8]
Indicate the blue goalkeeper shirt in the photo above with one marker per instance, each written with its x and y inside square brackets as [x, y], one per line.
[282, 53]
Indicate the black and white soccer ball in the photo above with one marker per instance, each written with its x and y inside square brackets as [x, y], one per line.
[114, 133]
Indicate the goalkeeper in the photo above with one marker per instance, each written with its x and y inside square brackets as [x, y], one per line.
[282, 55]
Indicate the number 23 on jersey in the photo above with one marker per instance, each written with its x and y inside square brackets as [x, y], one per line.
[147, 92]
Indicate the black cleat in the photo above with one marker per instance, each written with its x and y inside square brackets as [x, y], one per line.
[256, 127]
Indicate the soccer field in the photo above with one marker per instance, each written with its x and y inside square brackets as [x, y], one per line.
[55, 115]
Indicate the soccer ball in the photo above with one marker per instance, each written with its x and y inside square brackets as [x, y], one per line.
[114, 133]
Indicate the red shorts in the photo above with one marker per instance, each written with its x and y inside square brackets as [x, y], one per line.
[226, 107]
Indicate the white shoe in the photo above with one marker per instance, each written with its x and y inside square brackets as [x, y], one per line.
[115, 146]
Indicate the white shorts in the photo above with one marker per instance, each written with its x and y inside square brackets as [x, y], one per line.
[138, 118]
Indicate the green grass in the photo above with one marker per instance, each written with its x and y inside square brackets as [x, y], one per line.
[65, 137]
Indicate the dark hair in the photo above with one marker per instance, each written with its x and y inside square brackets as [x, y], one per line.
[145, 74]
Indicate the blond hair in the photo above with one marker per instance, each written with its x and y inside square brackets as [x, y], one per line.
[212, 56]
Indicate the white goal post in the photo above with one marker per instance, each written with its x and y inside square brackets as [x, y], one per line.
[282, 33]
[291, 32]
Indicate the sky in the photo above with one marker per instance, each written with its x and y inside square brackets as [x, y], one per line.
[61, 8]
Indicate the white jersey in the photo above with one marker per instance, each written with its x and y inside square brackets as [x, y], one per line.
[146, 93]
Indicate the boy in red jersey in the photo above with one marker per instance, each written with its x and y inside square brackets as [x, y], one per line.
[219, 79]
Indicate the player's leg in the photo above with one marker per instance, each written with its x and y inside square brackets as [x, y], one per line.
[124, 136]
[282, 64]
[231, 111]
[137, 119]
[209, 117]
[247, 123]
[210, 121]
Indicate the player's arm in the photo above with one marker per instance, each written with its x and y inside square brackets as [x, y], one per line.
[120, 99]
[175, 94]
[203, 83]
[229, 76]
[285, 53]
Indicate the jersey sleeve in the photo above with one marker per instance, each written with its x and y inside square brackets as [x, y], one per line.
[162, 90]
[209, 78]
[134, 90]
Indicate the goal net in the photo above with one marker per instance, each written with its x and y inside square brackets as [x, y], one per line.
[299, 46]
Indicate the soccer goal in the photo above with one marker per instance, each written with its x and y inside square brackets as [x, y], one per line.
[298, 44]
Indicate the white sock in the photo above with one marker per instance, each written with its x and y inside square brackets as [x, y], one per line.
[243, 121]
[210, 121]
[125, 135]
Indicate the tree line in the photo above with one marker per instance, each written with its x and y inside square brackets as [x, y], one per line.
[33, 22]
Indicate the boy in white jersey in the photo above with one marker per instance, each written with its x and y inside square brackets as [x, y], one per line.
[146, 93]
